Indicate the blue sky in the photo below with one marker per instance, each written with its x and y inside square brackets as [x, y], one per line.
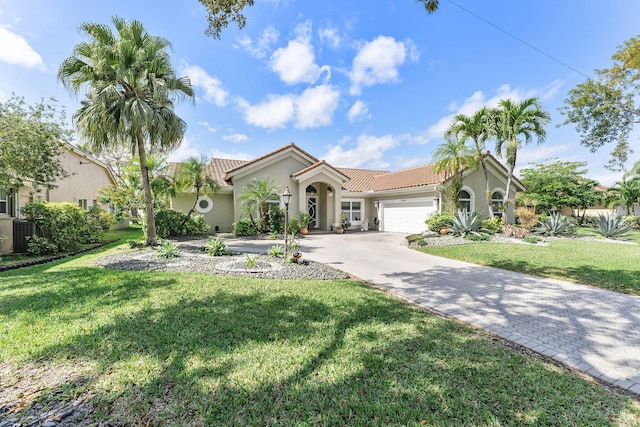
[367, 84]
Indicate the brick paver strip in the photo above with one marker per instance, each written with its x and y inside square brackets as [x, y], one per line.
[593, 330]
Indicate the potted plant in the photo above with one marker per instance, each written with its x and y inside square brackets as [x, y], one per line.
[343, 225]
[304, 219]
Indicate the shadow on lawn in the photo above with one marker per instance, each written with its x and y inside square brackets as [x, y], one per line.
[273, 356]
[94, 288]
[625, 281]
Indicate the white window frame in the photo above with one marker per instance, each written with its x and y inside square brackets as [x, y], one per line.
[350, 211]
[4, 201]
[209, 204]
[472, 199]
[497, 211]
[84, 204]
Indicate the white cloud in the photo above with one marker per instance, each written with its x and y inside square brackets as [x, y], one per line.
[183, 152]
[470, 105]
[273, 113]
[368, 152]
[236, 137]
[401, 162]
[15, 49]
[208, 126]
[330, 35]
[358, 110]
[377, 62]
[296, 62]
[234, 155]
[537, 153]
[212, 86]
[315, 107]
[262, 47]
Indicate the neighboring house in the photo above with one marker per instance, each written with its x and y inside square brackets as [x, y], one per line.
[398, 201]
[86, 175]
[601, 208]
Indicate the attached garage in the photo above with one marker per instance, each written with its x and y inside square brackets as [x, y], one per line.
[406, 216]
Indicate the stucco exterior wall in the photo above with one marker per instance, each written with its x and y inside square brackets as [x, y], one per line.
[279, 171]
[475, 182]
[83, 181]
[221, 215]
[6, 230]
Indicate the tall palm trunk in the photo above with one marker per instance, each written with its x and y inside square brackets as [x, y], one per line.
[486, 180]
[148, 196]
[512, 166]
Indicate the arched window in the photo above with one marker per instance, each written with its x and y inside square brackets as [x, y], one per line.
[311, 189]
[497, 202]
[464, 201]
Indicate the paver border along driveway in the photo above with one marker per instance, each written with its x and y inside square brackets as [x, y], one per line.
[593, 330]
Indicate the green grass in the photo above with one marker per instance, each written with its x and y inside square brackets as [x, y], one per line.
[605, 265]
[197, 349]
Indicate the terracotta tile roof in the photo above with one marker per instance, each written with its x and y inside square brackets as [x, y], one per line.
[216, 169]
[360, 178]
[407, 178]
[291, 145]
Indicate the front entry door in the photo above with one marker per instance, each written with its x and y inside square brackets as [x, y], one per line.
[312, 208]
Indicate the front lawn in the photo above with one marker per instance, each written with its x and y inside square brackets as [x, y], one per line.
[606, 265]
[198, 349]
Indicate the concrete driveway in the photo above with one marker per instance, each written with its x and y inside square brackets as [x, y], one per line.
[593, 330]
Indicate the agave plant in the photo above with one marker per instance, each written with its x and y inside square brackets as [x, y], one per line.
[612, 225]
[555, 224]
[168, 249]
[216, 247]
[464, 224]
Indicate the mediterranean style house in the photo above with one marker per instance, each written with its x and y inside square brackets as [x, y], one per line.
[86, 175]
[398, 201]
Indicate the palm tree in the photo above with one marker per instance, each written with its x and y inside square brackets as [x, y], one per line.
[625, 193]
[258, 193]
[192, 175]
[130, 89]
[477, 129]
[513, 123]
[452, 158]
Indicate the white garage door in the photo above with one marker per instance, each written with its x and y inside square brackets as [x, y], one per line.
[406, 216]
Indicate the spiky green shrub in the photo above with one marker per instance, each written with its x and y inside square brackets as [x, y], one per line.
[276, 251]
[633, 220]
[532, 239]
[168, 249]
[555, 224]
[612, 225]
[465, 224]
[244, 227]
[216, 247]
[252, 260]
[437, 221]
[170, 222]
[492, 225]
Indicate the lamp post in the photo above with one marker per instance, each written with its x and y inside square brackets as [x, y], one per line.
[286, 198]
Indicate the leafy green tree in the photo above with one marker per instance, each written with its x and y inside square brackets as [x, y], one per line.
[192, 175]
[256, 196]
[30, 142]
[554, 184]
[222, 12]
[514, 123]
[604, 110]
[452, 158]
[130, 89]
[625, 193]
[477, 129]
